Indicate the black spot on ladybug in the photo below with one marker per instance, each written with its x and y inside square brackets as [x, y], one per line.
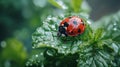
[75, 22]
[79, 30]
[66, 24]
[72, 32]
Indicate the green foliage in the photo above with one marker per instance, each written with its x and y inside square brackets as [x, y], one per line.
[12, 51]
[93, 48]
[98, 46]
[111, 24]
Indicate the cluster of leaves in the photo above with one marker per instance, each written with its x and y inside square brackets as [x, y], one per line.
[96, 47]
[111, 25]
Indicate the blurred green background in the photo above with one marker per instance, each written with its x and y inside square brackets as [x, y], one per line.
[20, 18]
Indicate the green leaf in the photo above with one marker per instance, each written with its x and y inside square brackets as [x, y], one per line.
[76, 5]
[96, 52]
[91, 49]
[55, 3]
[98, 34]
[111, 26]
[53, 47]
[94, 57]
[36, 58]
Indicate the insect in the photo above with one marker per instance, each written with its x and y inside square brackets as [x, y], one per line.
[71, 26]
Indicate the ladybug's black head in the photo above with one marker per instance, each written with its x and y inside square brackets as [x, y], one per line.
[61, 31]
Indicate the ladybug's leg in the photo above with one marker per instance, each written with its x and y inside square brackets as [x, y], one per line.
[65, 34]
[58, 34]
[65, 27]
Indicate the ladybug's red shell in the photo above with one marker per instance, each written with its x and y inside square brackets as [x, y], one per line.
[71, 26]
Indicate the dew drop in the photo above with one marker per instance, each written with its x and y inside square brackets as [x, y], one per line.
[40, 30]
[31, 60]
[54, 18]
[77, 60]
[27, 63]
[33, 47]
[30, 64]
[115, 24]
[52, 46]
[53, 26]
[67, 51]
[87, 62]
[88, 22]
[41, 53]
[115, 29]
[49, 18]
[61, 15]
[38, 61]
[36, 55]
[49, 53]
[42, 65]
[64, 46]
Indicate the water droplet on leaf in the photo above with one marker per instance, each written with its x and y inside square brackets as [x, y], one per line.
[115, 29]
[49, 52]
[52, 46]
[64, 47]
[36, 55]
[33, 47]
[41, 53]
[115, 24]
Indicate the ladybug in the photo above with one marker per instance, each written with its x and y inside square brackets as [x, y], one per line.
[71, 26]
